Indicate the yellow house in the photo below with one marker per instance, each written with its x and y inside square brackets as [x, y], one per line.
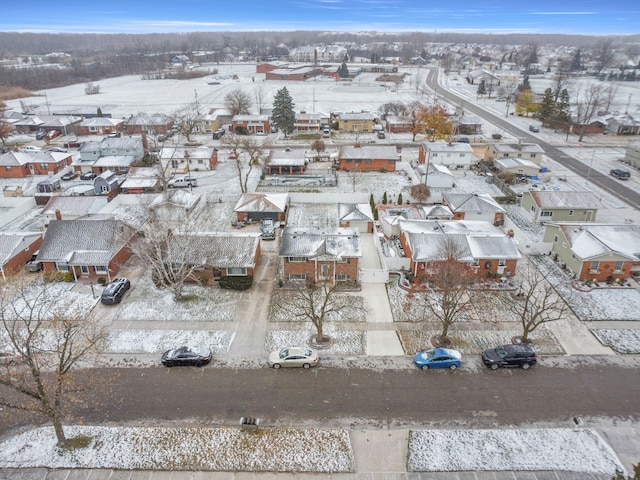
[356, 122]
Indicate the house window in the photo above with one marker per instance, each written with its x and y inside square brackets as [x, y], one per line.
[237, 272]
[546, 213]
[462, 155]
[342, 260]
[533, 155]
[94, 129]
[44, 166]
[617, 267]
[502, 262]
[297, 276]
[62, 266]
[297, 259]
[594, 266]
[571, 213]
[434, 154]
[342, 277]
[476, 262]
[555, 239]
[8, 168]
[101, 269]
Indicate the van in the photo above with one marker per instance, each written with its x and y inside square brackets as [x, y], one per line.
[326, 133]
[620, 174]
[182, 182]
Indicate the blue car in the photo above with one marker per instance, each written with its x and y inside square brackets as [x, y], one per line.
[438, 358]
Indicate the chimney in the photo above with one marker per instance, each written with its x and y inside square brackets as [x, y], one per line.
[58, 215]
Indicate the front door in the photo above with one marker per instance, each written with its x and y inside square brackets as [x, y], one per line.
[324, 272]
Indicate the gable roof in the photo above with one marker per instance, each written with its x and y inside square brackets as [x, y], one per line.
[262, 202]
[471, 202]
[564, 199]
[355, 212]
[84, 242]
[588, 241]
[314, 243]
[447, 147]
[388, 152]
[221, 250]
[74, 206]
[12, 243]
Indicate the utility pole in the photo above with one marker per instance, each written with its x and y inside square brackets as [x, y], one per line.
[196, 95]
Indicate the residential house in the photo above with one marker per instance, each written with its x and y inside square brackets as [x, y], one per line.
[254, 207]
[356, 215]
[356, 122]
[16, 249]
[285, 162]
[399, 124]
[70, 208]
[368, 158]
[474, 206]
[180, 160]
[48, 185]
[623, 124]
[592, 251]
[216, 255]
[451, 155]
[313, 255]
[88, 248]
[467, 124]
[175, 205]
[250, 124]
[517, 166]
[152, 125]
[476, 77]
[310, 122]
[436, 176]
[114, 154]
[207, 123]
[99, 126]
[527, 151]
[486, 250]
[561, 206]
[22, 164]
[62, 123]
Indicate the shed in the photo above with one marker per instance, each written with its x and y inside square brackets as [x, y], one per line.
[49, 185]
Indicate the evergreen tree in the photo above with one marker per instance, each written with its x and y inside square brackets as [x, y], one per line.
[384, 198]
[282, 113]
[343, 71]
[99, 112]
[400, 199]
[547, 108]
[576, 61]
[562, 112]
[482, 89]
[525, 85]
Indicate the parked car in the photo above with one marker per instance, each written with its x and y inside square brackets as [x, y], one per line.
[620, 174]
[533, 128]
[186, 356]
[31, 148]
[293, 357]
[522, 355]
[114, 292]
[381, 134]
[232, 156]
[69, 176]
[438, 358]
[182, 182]
[462, 140]
[88, 176]
[58, 149]
[34, 266]
[41, 135]
[54, 133]
[260, 133]
[218, 133]
[268, 229]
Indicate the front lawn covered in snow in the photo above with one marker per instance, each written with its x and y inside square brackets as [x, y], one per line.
[198, 449]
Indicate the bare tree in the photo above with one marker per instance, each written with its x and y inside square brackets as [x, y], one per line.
[587, 104]
[535, 303]
[610, 92]
[318, 146]
[420, 192]
[237, 102]
[5, 127]
[256, 153]
[187, 121]
[51, 340]
[446, 295]
[605, 54]
[392, 108]
[316, 302]
[258, 96]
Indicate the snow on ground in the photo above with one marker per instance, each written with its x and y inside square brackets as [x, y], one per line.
[196, 449]
[622, 340]
[348, 342]
[158, 341]
[578, 450]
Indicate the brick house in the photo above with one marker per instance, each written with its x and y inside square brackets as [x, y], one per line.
[22, 164]
[99, 126]
[152, 125]
[368, 158]
[88, 248]
[308, 254]
[216, 255]
[180, 160]
[474, 206]
[588, 251]
[250, 123]
[487, 251]
[16, 249]
[399, 124]
[258, 206]
[285, 162]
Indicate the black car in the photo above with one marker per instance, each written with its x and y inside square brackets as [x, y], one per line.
[88, 176]
[69, 176]
[114, 292]
[194, 356]
[522, 355]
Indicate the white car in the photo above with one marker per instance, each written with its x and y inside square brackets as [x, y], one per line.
[293, 357]
[261, 134]
[182, 182]
[31, 148]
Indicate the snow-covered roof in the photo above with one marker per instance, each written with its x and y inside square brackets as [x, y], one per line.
[433, 211]
[114, 161]
[76, 206]
[588, 241]
[220, 250]
[286, 158]
[447, 147]
[101, 122]
[388, 152]
[168, 153]
[262, 202]
[568, 199]
[511, 163]
[12, 243]
[471, 202]
[515, 148]
[179, 197]
[314, 243]
[11, 159]
[355, 212]
[357, 116]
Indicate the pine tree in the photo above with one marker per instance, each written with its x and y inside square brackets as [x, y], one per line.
[547, 109]
[400, 199]
[343, 71]
[576, 61]
[282, 113]
[562, 112]
[384, 198]
[482, 89]
[525, 85]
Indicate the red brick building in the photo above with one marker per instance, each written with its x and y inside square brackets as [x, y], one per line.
[22, 164]
[368, 158]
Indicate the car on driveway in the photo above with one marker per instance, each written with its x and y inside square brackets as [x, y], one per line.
[186, 356]
[88, 176]
[260, 133]
[69, 176]
[438, 358]
[522, 355]
[293, 357]
[30, 148]
[114, 292]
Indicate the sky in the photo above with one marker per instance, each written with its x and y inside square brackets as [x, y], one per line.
[590, 17]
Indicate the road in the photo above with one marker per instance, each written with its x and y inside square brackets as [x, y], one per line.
[605, 182]
[347, 397]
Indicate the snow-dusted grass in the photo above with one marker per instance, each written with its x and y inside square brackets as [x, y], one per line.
[158, 341]
[198, 449]
[577, 450]
[622, 340]
[353, 312]
[344, 342]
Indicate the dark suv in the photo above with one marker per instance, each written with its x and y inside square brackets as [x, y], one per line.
[510, 356]
[114, 292]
